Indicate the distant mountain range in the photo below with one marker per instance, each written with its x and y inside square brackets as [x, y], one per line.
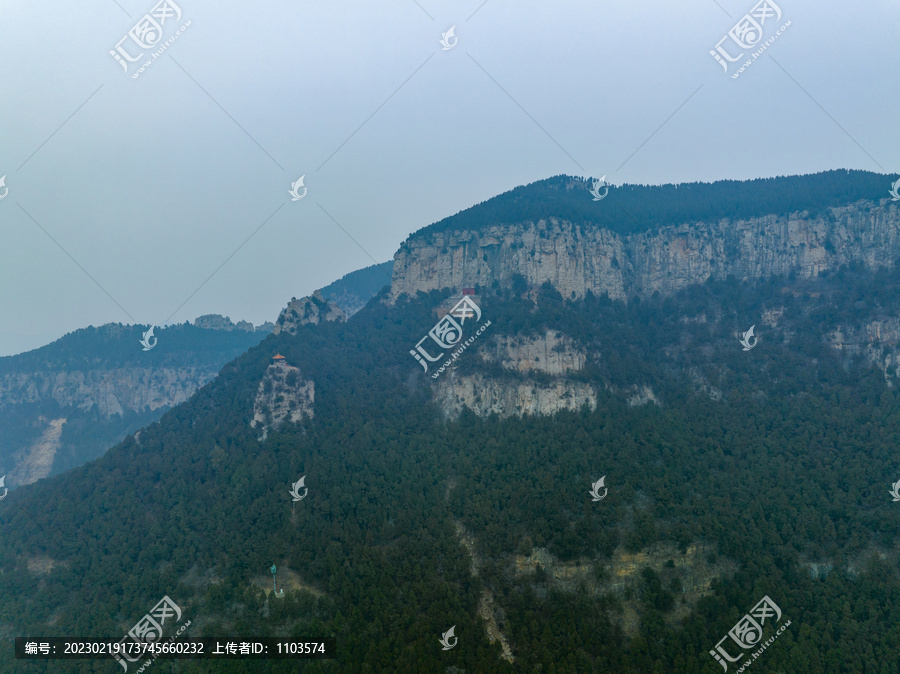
[645, 239]
[65, 403]
[353, 291]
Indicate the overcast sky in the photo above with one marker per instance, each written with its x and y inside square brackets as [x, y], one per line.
[157, 198]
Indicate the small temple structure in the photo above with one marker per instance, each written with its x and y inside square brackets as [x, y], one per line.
[278, 358]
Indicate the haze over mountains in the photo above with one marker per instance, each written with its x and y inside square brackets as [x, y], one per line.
[66, 403]
[605, 344]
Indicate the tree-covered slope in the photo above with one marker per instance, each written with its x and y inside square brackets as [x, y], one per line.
[67, 402]
[789, 464]
[352, 291]
[629, 209]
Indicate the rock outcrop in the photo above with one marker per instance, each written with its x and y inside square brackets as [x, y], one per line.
[695, 569]
[310, 310]
[549, 354]
[112, 391]
[576, 260]
[282, 395]
[488, 610]
[508, 398]
[63, 401]
[219, 322]
[878, 341]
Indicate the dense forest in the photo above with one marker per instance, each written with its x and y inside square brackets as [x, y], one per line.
[781, 477]
[112, 345]
[29, 382]
[637, 208]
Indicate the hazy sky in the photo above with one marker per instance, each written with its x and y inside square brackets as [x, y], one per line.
[163, 197]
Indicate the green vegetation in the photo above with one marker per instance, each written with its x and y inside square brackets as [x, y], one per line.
[116, 345]
[791, 463]
[638, 208]
[90, 356]
[352, 291]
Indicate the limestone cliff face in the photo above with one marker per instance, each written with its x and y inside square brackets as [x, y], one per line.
[575, 260]
[877, 340]
[529, 390]
[112, 391]
[310, 310]
[282, 395]
[488, 396]
[551, 353]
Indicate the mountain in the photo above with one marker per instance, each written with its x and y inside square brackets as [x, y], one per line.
[65, 403]
[641, 240]
[452, 448]
[353, 291]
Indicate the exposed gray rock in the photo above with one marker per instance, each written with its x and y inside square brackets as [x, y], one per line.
[511, 398]
[878, 341]
[219, 322]
[282, 395]
[310, 310]
[642, 396]
[37, 460]
[575, 260]
[113, 391]
[550, 353]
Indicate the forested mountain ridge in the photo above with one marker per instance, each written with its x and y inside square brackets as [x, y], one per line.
[777, 486]
[352, 291]
[650, 207]
[641, 239]
[730, 473]
[67, 402]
